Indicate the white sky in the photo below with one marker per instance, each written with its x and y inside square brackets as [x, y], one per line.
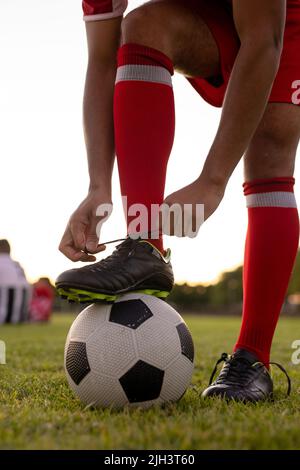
[43, 163]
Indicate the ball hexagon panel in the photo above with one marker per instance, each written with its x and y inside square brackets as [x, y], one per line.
[186, 341]
[177, 379]
[158, 342]
[142, 382]
[131, 313]
[155, 305]
[100, 391]
[76, 361]
[88, 321]
[111, 350]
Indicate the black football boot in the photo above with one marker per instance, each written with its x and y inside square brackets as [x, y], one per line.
[134, 266]
[243, 378]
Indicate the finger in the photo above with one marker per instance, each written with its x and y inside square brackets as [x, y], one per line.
[98, 250]
[77, 229]
[72, 253]
[85, 257]
[92, 237]
[66, 246]
[101, 248]
[76, 255]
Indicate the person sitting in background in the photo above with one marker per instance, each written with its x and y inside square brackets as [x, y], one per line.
[41, 304]
[15, 290]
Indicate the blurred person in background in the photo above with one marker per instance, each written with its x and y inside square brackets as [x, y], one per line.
[15, 290]
[41, 304]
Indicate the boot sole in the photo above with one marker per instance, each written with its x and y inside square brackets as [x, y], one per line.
[84, 296]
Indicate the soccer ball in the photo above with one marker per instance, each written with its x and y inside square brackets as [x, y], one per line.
[137, 351]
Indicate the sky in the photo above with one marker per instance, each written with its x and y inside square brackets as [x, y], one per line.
[43, 167]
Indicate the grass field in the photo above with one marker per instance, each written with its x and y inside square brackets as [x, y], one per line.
[38, 411]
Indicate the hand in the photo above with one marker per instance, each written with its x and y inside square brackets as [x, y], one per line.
[80, 241]
[201, 191]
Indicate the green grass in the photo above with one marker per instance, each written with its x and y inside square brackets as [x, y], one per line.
[38, 410]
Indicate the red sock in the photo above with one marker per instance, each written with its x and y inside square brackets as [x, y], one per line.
[271, 248]
[144, 129]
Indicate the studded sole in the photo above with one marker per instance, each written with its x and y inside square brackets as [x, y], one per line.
[83, 296]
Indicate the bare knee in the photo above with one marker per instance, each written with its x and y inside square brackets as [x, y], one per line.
[176, 29]
[269, 156]
[145, 26]
[272, 150]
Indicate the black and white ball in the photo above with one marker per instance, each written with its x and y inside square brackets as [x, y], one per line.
[137, 351]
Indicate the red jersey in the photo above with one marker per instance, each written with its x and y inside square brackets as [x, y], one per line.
[103, 9]
[41, 302]
[217, 14]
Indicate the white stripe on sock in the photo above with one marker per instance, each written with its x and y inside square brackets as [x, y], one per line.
[273, 199]
[144, 73]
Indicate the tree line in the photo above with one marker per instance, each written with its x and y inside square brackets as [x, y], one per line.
[226, 294]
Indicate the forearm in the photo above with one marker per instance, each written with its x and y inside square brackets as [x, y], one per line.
[247, 95]
[98, 123]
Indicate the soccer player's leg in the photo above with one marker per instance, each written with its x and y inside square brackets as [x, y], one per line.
[156, 38]
[271, 247]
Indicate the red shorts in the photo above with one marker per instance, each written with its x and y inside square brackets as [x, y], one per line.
[218, 17]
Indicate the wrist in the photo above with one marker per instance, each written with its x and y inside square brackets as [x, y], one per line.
[214, 172]
[103, 190]
[213, 181]
[100, 179]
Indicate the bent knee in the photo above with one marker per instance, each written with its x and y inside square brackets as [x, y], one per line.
[135, 24]
[271, 153]
[269, 143]
[146, 26]
[279, 130]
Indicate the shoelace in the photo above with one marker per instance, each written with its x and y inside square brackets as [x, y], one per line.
[226, 358]
[280, 367]
[114, 241]
[108, 262]
[234, 371]
[223, 358]
[145, 235]
[122, 248]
